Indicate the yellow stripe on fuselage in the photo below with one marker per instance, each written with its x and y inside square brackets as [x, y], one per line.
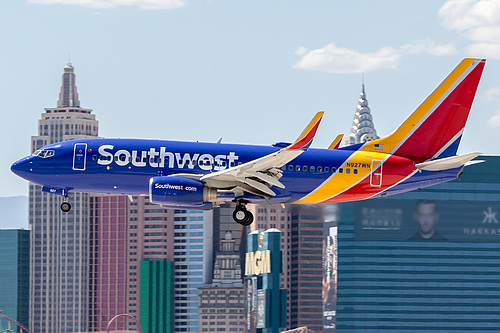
[391, 141]
[339, 182]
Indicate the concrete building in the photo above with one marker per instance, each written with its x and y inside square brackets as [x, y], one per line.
[306, 307]
[108, 259]
[59, 241]
[423, 261]
[14, 274]
[222, 303]
[362, 129]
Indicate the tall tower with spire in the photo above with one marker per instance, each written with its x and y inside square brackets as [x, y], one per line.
[362, 129]
[59, 241]
[68, 96]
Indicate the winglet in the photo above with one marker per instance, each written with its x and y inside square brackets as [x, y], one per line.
[336, 143]
[306, 138]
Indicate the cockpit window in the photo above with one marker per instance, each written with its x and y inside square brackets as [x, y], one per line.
[43, 153]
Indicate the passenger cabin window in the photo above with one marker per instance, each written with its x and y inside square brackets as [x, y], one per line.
[304, 168]
[334, 169]
[327, 169]
[347, 171]
[341, 170]
[355, 171]
[320, 169]
[297, 168]
[312, 168]
[290, 168]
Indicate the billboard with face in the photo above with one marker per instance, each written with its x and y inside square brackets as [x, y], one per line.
[427, 220]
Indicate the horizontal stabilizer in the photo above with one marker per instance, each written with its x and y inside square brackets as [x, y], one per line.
[447, 163]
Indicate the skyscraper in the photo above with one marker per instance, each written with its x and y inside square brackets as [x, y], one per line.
[108, 249]
[362, 129]
[59, 241]
[193, 246]
[222, 302]
[14, 274]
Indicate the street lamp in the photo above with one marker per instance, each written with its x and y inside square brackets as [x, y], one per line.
[124, 315]
[21, 326]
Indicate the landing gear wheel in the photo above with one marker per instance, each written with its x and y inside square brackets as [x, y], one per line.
[65, 207]
[242, 216]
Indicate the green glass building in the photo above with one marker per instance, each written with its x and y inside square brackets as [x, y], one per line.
[14, 274]
[157, 296]
[423, 261]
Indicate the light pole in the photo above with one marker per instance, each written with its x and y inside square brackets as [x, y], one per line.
[124, 315]
[21, 326]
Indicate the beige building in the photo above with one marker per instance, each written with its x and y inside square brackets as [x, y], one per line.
[222, 303]
[59, 241]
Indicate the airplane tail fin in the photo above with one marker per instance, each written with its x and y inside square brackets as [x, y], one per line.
[435, 128]
[305, 139]
[336, 142]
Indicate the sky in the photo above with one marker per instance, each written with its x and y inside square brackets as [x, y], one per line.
[251, 72]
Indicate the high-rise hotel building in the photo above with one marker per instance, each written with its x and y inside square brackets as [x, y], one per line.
[59, 241]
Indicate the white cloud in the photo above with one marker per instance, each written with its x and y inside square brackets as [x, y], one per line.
[334, 59]
[494, 121]
[143, 4]
[476, 20]
[301, 51]
[429, 46]
[492, 93]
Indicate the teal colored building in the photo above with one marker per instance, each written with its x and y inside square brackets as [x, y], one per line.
[14, 274]
[265, 301]
[157, 296]
[423, 261]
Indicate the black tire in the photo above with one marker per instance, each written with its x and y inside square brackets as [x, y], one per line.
[249, 220]
[65, 207]
[242, 216]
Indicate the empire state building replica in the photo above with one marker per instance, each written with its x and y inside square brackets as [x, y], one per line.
[59, 241]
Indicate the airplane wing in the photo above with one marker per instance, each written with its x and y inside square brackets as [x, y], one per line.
[259, 175]
[336, 143]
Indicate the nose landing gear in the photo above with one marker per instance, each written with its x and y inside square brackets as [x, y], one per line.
[66, 206]
[241, 215]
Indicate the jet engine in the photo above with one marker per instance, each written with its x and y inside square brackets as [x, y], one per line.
[178, 191]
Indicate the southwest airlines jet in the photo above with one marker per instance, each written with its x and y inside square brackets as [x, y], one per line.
[194, 175]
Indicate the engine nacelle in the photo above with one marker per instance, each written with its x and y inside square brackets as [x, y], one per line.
[178, 191]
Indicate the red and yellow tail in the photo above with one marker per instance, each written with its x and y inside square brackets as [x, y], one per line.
[436, 126]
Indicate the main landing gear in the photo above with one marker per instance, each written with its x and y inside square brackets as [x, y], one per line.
[66, 206]
[241, 215]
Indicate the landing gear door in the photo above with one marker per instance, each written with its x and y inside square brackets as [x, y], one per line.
[79, 156]
[376, 173]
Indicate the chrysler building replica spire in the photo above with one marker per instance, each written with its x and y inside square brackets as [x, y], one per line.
[362, 129]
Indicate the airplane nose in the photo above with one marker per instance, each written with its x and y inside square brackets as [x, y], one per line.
[21, 167]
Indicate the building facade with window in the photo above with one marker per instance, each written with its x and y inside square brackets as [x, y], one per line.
[59, 241]
[423, 261]
[14, 274]
[108, 259]
[222, 303]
